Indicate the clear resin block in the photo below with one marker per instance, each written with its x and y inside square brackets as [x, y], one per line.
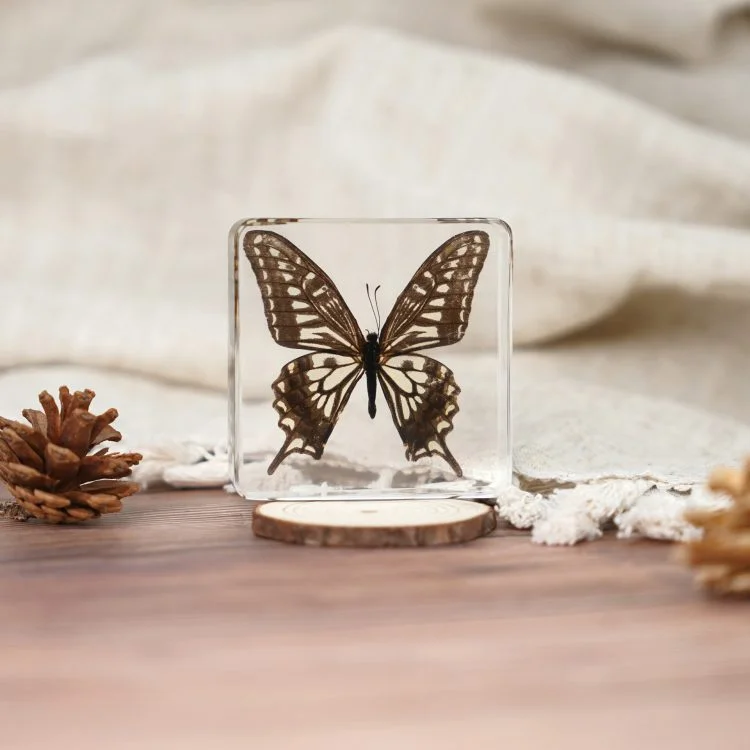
[370, 358]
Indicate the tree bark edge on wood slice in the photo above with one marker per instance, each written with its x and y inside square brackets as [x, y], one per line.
[373, 523]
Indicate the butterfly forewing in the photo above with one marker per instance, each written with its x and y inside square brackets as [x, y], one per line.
[433, 310]
[422, 395]
[310, 393]
[304, 310]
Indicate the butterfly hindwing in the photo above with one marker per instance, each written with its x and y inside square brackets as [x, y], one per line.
[422, 395]
[433, 310]
[304, 310]
[310, 394]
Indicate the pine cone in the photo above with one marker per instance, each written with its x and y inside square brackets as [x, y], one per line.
[722, 555]
[49, 468]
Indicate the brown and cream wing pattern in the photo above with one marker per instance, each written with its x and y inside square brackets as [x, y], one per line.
[422, 395]
[303, 308]
[309, 395]
[434, 308]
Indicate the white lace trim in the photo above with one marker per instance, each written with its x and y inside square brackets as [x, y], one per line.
[564, 516]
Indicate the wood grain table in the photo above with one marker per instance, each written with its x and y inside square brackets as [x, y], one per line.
[171, 626]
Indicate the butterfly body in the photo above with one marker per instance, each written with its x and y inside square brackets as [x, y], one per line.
[371, 364]
[305, 310]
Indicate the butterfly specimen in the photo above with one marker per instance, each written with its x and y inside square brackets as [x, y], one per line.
[304, 310]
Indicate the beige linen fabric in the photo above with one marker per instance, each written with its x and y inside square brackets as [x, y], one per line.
[613, 137]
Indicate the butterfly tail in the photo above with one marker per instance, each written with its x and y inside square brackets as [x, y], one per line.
[280, 456]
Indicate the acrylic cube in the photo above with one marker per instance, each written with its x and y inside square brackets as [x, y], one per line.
[370, 358]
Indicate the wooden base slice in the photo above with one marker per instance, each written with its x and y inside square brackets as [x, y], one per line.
[373, 523]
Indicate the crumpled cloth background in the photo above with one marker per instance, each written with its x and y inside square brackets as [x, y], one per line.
[613, 137]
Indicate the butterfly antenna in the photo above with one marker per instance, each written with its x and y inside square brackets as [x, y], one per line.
[372, 307]
[377, 307]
